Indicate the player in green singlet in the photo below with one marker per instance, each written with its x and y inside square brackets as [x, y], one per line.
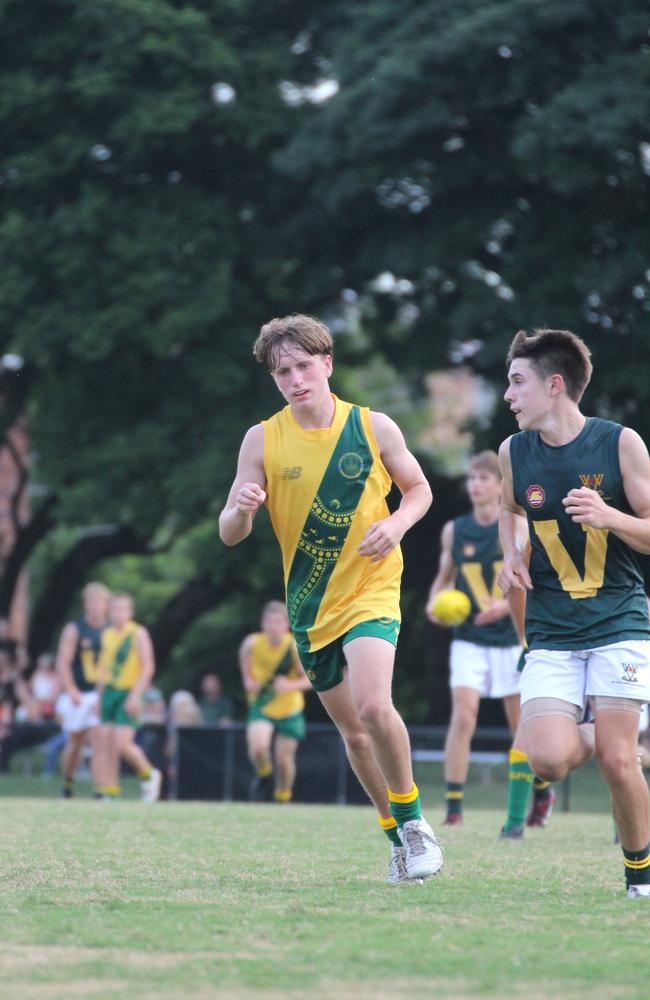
[583, 486]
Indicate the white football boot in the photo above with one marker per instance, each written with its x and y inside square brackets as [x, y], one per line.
[422, 849]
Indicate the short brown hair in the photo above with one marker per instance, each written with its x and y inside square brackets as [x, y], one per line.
[299, 330]
[555, 352]
[486, 460]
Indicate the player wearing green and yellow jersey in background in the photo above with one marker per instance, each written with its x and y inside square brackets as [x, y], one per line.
[274, 681]
[126, 671]
[324, 467]
[583, 486]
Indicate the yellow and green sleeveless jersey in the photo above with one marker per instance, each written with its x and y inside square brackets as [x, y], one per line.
[587, 583]
[268, 662]
[120, 663]
[325, 488]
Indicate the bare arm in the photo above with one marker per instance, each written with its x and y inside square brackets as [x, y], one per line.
[405, 471]
[245, 654]
[247, 493]
[64, 658]
[513, 531]
[586, 506]
[299, 682]
[144, 647]
[446, 575]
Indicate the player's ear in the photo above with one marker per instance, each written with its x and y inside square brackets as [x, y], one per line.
[556, 384]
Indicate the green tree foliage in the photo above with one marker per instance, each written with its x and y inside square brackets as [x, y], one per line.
[494, 157]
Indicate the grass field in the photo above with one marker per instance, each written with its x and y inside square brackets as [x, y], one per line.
[231, 900]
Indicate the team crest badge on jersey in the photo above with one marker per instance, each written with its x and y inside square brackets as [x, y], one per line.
[350, 465]
[469, 550]
[593, 481]
[629, 674]
[535, 496]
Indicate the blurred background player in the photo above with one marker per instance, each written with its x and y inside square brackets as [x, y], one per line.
[77, 663]
[485, 649]
[274, 681]
[126, 671]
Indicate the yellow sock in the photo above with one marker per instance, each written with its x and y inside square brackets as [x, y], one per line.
[283, 795]
[264, 769]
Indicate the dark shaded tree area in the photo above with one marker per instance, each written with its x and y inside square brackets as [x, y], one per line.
[168, 181]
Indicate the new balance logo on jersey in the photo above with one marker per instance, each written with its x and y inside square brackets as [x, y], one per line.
[629, 674]
[293, 472]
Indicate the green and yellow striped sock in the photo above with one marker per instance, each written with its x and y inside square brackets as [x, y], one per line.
[454, 796]
[405, 806]
[520, 779]
[389, 826]
[541, 789]
[637, 866]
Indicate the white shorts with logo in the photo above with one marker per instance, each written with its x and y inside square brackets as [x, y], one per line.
[619, 670]
[490, 670]
[78, 718]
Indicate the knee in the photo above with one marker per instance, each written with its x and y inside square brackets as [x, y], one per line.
[463, 720]
[617, 763]
[375, 713]
[549, 769]
[356, 741]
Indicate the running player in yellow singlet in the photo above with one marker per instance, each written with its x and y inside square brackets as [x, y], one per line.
[323, 468]
[126, 670]
[274, 681]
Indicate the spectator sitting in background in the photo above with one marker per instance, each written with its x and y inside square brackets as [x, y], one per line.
[216, 708]
[154, 711]
[183, 711]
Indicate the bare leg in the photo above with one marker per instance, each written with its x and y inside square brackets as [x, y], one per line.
[370, 669]
[511, 707]
[71, 755]
[285, 762]
[556, 745]
[464, 711]
[616, 741]
[259, 735]
[339, 706]
[130, 751]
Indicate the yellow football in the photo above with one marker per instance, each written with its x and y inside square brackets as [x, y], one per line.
[451, 607]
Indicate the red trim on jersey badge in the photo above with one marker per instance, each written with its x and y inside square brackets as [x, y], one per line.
[535, 496]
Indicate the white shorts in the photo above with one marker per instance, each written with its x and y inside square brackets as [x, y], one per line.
[619, 670]
[490, 670]
[78, 718]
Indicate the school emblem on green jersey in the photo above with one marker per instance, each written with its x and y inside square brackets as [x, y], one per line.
[350, 465]
[535, 495]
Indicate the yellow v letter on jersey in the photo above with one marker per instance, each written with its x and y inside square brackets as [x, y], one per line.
[575, 585]
[475, 580]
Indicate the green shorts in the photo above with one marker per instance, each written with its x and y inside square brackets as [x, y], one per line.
[112, 707]
[325, 667]
[291, 725]
[521, 662]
